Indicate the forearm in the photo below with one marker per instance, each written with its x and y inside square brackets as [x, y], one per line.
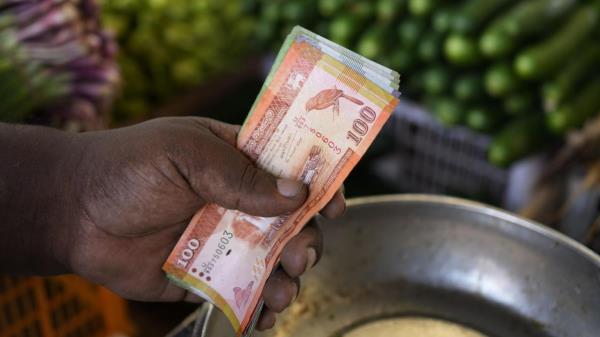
[36, 196]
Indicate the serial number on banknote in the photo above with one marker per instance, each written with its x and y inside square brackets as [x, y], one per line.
[219, 251]
[188, 253]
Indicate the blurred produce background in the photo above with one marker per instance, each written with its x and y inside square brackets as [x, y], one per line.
[170, 46]
[525, 72]
[500, 98]
[57, 66]
[492, 82]
[501, 90]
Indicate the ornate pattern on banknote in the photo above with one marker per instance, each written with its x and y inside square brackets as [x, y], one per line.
[312, 166]
[282, 100]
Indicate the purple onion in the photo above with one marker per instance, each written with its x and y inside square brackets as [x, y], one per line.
[90, 9]
[57, 55]
[93, 91]
[72, 56]
[56, 37]
[25, 13]
[55, 18]
[87, 61]
[107, 74]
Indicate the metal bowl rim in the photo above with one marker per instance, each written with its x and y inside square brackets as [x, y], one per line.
[479, 207]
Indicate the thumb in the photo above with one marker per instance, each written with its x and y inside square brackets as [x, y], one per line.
[231, 180]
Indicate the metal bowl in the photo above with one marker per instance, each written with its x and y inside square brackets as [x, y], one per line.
[445, 258]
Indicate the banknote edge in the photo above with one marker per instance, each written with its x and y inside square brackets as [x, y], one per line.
[194, 285]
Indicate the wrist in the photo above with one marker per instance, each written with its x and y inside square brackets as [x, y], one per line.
[39, 199]
[60, 206]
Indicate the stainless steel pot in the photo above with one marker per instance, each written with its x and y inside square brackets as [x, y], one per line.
[445, 258]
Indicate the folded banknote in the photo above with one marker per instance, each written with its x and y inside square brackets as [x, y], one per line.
[319, 110]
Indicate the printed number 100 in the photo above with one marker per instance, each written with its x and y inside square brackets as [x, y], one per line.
[360, 126]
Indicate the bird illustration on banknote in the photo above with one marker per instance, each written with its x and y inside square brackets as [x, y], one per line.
[327, 98]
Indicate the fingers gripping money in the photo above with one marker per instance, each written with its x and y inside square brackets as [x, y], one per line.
[286, 135]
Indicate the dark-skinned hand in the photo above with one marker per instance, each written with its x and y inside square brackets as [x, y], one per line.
[134, 190]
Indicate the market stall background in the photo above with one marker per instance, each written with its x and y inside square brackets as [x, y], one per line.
[500, 99]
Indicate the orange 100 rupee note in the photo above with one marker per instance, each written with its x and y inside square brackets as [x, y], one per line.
[313, 120]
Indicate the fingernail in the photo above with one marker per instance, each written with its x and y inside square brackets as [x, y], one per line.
[311, 258]
[289, 188]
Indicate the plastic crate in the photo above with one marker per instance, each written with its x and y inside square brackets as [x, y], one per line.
[62, 306]
[428, 157]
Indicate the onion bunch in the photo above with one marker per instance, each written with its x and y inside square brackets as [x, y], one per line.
[56, 63]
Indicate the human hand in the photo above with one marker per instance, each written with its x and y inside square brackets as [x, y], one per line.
[139, 187]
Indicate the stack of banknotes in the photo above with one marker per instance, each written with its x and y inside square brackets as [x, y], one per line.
[319, 110]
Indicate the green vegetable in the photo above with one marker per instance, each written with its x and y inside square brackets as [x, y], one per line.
[410, 31]
[436, 80]
[116, 24]
[461, 50]
[362, 9]
[473, 13]
[421, 7]
[429, 48]
[448, 111]
[343, 29]
[328, 7]
[500, 80]
[388, 9]
[519, 103]
[270, 11]
[468, 87]
[161, 39]
[496, 44]
[295, 11]
[442, 20]
[517, 139]
[185, 71]
[524, 20]
[264, 31]
[483, 118]
[250, 7]
[14, 93]
[372, 44]
[543, 59]
[574, 113]
[583, 66]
